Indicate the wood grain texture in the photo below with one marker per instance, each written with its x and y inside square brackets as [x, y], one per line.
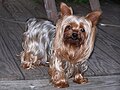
[95, 5]
[9, 69]
[105, 59]
[95, 83]
[107, 46]
[12, 35]
[51, 9]
[23, 10]
[36, 9]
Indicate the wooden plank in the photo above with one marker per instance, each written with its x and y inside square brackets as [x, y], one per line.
[105, 58]
[95, 5]
[25, 9]
[51, 9]
[13, 38]
[113, 19]
[9, 69]
[12, 34]
[36, 9]
[95, 83]
[16, 10]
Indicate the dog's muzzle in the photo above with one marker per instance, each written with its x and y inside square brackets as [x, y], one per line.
[74, 36]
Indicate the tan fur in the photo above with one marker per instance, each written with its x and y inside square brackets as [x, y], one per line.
[72, 46]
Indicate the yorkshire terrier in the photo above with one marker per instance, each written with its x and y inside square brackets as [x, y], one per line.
[65, 47]
[72, 46]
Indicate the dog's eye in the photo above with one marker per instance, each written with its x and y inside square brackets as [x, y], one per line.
[82, 30]
[68, 27]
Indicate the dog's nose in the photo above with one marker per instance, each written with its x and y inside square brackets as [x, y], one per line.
[74, 36]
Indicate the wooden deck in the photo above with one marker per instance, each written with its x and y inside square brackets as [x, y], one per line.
[104, 63]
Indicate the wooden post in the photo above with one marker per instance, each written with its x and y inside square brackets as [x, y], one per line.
[51, 10]
[95, 5]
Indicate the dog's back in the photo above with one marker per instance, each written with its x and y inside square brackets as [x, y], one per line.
[37, 42]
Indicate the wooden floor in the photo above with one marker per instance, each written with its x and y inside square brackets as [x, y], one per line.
[104, 63]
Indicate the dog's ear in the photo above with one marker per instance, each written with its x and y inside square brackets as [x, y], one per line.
[65, 10]
[94, 17]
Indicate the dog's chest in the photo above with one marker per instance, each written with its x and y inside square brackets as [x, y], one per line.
[75, 55]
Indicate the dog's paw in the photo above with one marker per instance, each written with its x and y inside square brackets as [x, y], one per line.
[27, 66]
[80, 79]
[61, 84]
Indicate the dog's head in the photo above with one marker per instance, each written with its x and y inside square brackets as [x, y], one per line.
[75, 30]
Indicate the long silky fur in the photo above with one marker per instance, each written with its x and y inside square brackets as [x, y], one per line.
[80, 55]
[37, 41]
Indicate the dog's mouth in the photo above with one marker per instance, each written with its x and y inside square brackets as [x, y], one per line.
[73, 40]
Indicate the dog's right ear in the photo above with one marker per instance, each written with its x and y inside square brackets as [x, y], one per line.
[94, 17]
[65, 10]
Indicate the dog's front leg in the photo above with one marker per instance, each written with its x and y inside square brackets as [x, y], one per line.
[57, 74]
[79, 76]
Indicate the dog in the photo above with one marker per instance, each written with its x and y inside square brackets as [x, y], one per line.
[72, 46]
[64, 47]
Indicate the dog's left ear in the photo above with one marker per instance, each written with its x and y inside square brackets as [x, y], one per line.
[65, 10]
[94, 17]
